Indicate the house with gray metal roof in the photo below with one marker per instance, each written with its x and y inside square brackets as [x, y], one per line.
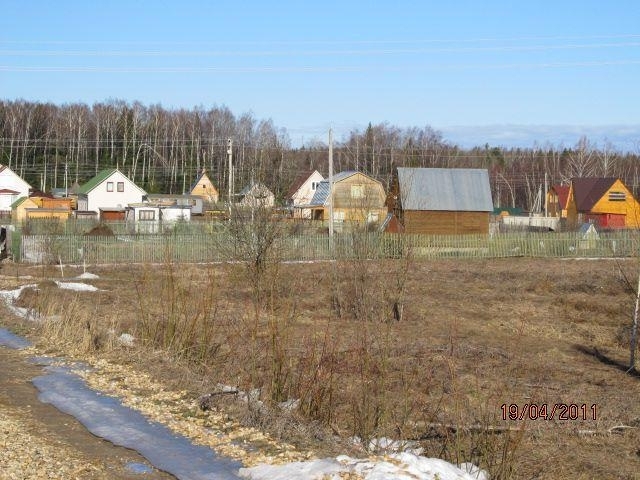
[357, 199]
[442, 201]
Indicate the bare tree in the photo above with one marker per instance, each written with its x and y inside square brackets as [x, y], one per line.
[581, 159]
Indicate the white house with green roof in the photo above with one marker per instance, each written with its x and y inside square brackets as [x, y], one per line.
[109, 189]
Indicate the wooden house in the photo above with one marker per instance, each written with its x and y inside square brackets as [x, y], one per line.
[301, 193]
[38, 207]
[204, 188]
[20, 207]
[442, 201]
[256, 195]
[556, 201]
[356, 197]
[606, 202]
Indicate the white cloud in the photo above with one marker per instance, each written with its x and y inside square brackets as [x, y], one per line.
[623, 137]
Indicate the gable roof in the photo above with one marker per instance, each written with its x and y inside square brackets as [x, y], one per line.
[256, 189]
[445, 189]
[19, 202]
[587, 191]
[14, 174]
[100, 177]
[563, 194]
[321, 195]
[202, 174]
[299, 182]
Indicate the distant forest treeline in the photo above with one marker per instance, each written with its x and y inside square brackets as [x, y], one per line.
[163, 150]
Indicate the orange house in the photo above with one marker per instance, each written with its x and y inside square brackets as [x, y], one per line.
[606, 202]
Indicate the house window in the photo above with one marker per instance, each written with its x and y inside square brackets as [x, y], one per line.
[617, 196]
[338, 216]
[109, 186]
[121, 186]
[147, 215]
[357, 191]
[314, 185]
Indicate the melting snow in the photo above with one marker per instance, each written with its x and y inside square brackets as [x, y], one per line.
[78, 287]
[88, 276]
[399, 466]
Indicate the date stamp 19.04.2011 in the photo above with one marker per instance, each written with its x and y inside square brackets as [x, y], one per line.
[544, 411]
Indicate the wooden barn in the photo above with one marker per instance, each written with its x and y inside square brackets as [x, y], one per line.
[606, 202]
[356, 197]
[441, 201]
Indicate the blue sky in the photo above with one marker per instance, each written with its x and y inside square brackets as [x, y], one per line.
[502, 72]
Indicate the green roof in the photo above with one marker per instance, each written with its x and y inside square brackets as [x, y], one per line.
[18, 202]
[100, 177]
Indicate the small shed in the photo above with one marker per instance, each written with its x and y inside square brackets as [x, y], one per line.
[588, 236]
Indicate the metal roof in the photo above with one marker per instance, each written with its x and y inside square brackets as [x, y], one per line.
[321, 195]
[588, 190]
[445, 189]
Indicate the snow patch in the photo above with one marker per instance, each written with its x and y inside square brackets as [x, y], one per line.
[126, 340]
[78, 287]
[88, 276]
[10, 297]
[400, 466]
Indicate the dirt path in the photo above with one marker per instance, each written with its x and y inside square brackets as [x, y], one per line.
[38, 441]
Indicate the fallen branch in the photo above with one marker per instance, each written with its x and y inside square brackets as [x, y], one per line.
[619, 429]
[451, 428]
[205, 401]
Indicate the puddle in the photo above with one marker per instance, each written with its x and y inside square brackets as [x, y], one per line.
[138, 468]
[107, 418]
[11, 340]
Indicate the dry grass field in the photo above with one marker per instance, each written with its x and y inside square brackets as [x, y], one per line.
[430, 351]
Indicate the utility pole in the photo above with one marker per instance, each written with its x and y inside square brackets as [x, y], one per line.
[66, 188]
[546, 193]
[230, 157]
[330, 190]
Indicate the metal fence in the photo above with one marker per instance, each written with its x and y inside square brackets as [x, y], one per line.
[217, 246]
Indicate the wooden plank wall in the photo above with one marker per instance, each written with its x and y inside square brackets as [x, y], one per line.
[445, 223]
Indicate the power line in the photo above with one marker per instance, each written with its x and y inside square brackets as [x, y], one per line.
[317, 69]
[333, 41]
[308, 53]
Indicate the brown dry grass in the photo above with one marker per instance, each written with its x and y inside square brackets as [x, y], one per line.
[475, 335]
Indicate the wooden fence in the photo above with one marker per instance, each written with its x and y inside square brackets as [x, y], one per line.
[217, 247]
